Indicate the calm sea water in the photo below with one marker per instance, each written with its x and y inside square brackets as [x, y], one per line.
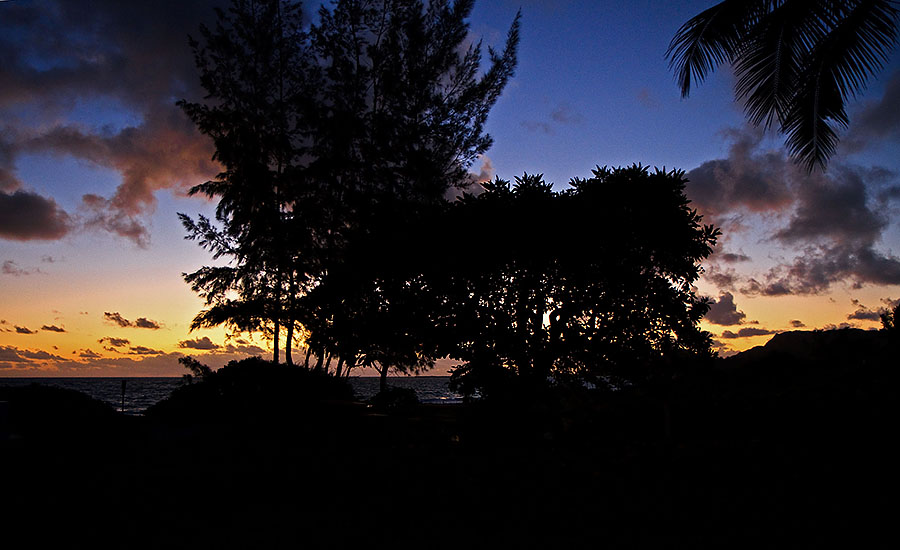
[140, 393]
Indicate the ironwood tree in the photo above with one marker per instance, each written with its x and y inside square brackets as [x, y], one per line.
[372, 112]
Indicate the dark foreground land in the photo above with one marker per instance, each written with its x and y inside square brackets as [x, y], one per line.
[770, 451]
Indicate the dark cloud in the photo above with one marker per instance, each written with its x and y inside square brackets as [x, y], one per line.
[40, 355]
[863, 313]
[10, 354]
[836, 208]
[199, 343]
[52, 328]
[746, 332]
[731, 258]
[117, 319]
[748, 180]
[796, 323]
[88, 354]
[245, 349]
[819, 267]
[57, 55]
[141, 322]
[724, 311]
[112, 341]
[26, 216]
[723, 279]
[841, 326]
[832, 221]
[141, 350]
[878, 120]
[24, 330]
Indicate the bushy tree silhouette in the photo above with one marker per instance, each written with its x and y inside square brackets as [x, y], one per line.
[591, 285]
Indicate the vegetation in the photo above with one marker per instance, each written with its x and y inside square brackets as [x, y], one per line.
[373, 113]
[797, 63]
[250, 389]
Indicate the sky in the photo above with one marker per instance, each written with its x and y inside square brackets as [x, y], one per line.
[96, 161]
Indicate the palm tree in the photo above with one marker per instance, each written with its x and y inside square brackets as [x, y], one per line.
[797, 62]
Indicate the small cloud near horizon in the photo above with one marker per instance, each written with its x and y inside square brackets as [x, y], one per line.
[199, 344]
[747, 332]
[142, 322]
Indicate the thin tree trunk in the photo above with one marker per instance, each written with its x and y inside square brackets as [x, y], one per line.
[275, 350]
[308, 353]
[337, 372]
[382, 385]
[321, 357]
[288, 344]
[328, 363]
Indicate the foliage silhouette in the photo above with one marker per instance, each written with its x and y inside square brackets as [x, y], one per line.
[797, 63]
[528, 287]
[251, 388]
[381, 111]
[591, 285]
[256, 70]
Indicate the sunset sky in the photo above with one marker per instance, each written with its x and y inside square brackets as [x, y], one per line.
[95, 161]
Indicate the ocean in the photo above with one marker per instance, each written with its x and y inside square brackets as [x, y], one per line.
[141, 393]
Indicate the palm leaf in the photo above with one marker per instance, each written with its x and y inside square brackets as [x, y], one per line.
[768, 65]
[838, 67]
[713, 37]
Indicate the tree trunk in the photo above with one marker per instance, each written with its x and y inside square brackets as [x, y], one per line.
[288, 344]
[308, 353]
[382, 384]
[328, 363]
[321, 358]
[337, 372]
[275, 347]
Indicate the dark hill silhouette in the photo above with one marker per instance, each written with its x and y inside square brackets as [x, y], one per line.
[805, 346]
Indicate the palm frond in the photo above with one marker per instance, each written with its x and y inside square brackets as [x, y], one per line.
[769, 62]
[711, 38]
[837, 68]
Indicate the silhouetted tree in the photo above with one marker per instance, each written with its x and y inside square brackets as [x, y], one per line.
[257, 73]
[796, 62]
[591, 285]
[372, 115]
[400, 118]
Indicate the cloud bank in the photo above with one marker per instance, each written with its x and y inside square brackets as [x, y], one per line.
[64, 58]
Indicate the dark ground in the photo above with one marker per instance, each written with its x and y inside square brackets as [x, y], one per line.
[786, 464]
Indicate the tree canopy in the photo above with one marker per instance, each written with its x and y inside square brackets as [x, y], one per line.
[324, 128]
[529, 287]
